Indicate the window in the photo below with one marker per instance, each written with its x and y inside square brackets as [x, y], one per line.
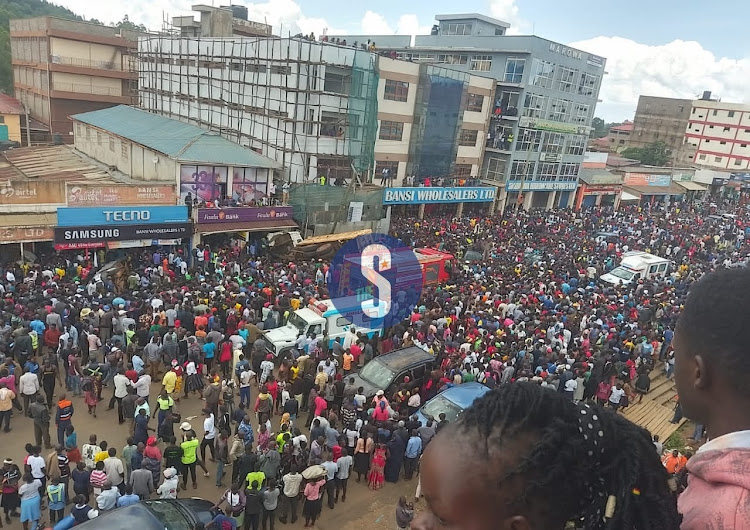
[390, 165]
[701, 157]
[737, 162]
[622, 142]
[391, 130]
[452, 58]
[710, 126]
[576, 145]
[680, 108]
[332, 124]
[499, 31]
[310, 125]
[726, 129]
[457, 29]
[542, 73]
[253, 66]
[564, 79]
[396, 90]
[716, 112]
[528, 139]
[337, 80]
[88, 133]
[468, 138]
[112, 144]
[722, 143]
[99, 138]
[553, 143]
[581, 113]
[521, 169]
[281, 69]
[534, 105]
[78, 126]
[548, 171]
[717, 159]
[588, 84]
[743, 145]
[730, 114]
[569, 171]
[747, 130]
[693, 110]
[462, 170]
[559, 109]
[481, 63]
[475, 103]
[514, 69]
[124, 151]
[496, 169]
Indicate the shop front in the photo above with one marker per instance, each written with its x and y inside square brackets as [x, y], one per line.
[119, 227]
[434, 200]
[598, 188]
[244, 223]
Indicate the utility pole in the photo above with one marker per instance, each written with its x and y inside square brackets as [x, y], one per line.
[519, 200]
[28, 125]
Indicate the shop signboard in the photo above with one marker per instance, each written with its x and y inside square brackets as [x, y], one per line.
[98, 234]
[26, 234]
[98, 195]
[243, 215]
[32, 192]
[430, 195]
[647, 179]
[534, 185]
[120, 215]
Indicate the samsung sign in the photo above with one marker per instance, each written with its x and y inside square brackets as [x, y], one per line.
[437, 195]
[121, 215]
[564, 50]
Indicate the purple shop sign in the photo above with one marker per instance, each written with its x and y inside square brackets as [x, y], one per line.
[243, 215]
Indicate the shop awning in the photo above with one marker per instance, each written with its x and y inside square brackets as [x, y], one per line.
[625, 196]
[691, 186]
[672, 189]
[248, 226]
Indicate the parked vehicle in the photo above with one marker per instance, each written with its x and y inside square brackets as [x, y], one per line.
[155, 514]
[637, 265]
[451, 402]
[387, 372]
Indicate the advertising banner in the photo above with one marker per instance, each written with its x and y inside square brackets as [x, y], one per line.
[120, 215]
[647, 179]
[26, 234]
[91, 195]
[437, 195]
[88, 234]
[243, 215]
[32, 192]
[534, 185]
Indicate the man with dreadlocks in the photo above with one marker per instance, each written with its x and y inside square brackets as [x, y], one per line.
[544, 462]
[710, 344]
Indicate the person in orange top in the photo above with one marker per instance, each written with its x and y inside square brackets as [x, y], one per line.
[347, 359]
[674, 462]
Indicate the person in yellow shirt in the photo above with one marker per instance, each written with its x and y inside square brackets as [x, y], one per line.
[294, 370]
[169, 381]
[103, 454]
[346, 361]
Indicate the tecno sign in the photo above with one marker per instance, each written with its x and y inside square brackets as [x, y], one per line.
[564, 50]
[127, 215]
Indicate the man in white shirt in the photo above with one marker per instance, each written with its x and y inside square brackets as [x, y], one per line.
[245, 376]
[343, 466]
[209, 434]
[28, 387]
[115, 470]
[37, 465]
[121, 383]
[142, 386]
[615, 396]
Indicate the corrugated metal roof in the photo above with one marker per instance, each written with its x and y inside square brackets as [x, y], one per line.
[598, 176]
[173, 138]
[672, 189]
[691, 186]
[10, 105]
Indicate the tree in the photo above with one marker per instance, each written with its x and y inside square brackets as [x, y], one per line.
[654, 154]
[599, 128]
[126, 24]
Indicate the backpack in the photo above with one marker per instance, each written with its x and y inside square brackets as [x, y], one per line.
[87, 384]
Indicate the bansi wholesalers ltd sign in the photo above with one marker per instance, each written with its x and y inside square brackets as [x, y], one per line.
[437, 195]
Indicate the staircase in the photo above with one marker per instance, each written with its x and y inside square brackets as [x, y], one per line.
[657, 408]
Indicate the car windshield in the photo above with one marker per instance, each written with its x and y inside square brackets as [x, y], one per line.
[298, 322]
[169, 515]
[440, 404]
[622, 273]
[378, 374]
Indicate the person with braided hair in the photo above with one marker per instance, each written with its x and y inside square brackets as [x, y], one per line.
[543, 462]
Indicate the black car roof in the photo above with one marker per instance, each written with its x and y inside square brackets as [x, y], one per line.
[404, 358]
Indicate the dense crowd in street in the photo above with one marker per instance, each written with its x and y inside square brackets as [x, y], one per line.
[281, 439]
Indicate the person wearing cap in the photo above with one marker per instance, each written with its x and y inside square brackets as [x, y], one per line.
[168, 488]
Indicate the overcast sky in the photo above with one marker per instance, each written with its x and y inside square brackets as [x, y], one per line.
[674, 48]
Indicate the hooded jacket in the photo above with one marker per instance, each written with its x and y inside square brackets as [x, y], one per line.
[722, 476]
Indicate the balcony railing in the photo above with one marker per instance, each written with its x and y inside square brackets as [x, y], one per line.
[87, 63]
[87, 89]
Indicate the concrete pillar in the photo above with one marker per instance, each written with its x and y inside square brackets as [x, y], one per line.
[528, 196]
[460, 209]
[420, 214]
[551, 200]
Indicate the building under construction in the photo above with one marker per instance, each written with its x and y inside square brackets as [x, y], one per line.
[309, 106]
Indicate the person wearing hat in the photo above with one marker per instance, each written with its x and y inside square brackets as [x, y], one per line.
[168, 488]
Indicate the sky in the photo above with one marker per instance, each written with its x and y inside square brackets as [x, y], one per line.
[670, 48]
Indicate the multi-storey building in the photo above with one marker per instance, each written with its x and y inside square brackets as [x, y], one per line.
[226, 21]
[661, 120]
[63, 67]
[718, 134]
[542, 106]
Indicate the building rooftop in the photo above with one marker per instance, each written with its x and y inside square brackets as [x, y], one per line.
[469, 16]
[58, 162]
[175, 139]
[627, 126]
[10, 105]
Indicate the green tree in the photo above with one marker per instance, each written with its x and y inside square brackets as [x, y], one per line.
[126, 24]
[599, 128]
[654, 154]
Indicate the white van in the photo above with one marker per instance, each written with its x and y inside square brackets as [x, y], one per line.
[637, 265]
[320, 317]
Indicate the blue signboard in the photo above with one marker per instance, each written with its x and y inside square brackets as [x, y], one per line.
[431, 195]
[121, 215]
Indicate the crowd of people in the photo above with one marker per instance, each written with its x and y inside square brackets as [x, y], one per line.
[522, 305]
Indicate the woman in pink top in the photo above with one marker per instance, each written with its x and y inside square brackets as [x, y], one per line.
[312, 492]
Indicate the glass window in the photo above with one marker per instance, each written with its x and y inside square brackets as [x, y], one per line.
[528, 139]
[332, 124]
[717, 159]
[481, 63]
[588, 84]
[737, 162]
[125, 154]
[457, 29]
[581, 113]
[559, 110]
[576, 145]
[701, 157]
[377, 373]
[534, 105]
[249, 183]
[475, 103]
[553, 143]
[569, 171]
[514, 69]
[468, 138]
[169, 515]
[521, 169]
[396, 90]
[390, 165]
[496, 169]
[452, 58]
[336, 80]
[542, 73]
[565, 78]
[462, 170]
[730, 114]
[548, 171]
[391, 130]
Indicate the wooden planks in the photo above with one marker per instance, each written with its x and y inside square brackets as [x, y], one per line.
[653, 417]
